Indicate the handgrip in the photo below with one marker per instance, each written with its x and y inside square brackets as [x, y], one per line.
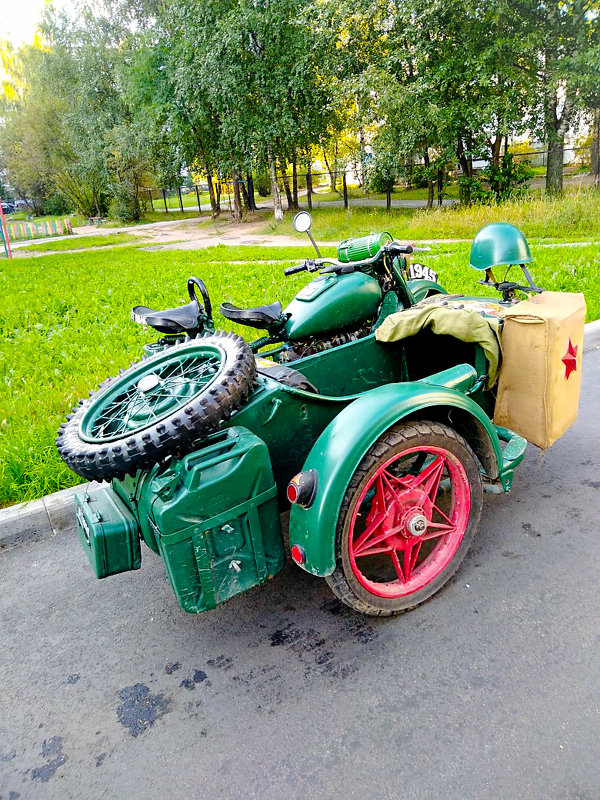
[396, 249]
[294, 270]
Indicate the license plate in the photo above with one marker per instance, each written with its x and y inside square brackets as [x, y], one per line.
[421, 272]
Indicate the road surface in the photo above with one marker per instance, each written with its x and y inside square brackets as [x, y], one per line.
[491, 690]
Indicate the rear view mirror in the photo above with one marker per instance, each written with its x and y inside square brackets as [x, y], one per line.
[302, 221]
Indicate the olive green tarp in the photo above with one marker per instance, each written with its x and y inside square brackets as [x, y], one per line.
[461, 323]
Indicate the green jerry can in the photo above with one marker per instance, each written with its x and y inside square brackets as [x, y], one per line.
[108, 531]
[215, 519]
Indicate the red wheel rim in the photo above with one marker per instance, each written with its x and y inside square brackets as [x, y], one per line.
[409, 521]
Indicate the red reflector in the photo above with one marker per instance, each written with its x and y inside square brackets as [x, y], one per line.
[292, 492]
[298, 554]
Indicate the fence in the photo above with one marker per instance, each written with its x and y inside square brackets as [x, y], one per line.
[38, 230]
[310, 188]
[317, 188]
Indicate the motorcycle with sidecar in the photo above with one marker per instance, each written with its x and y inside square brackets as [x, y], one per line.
[362, 454]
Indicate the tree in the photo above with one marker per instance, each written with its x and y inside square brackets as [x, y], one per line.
[558, 53]
[458, 86]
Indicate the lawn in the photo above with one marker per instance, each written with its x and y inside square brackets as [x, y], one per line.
[76, 242]
[68, 327]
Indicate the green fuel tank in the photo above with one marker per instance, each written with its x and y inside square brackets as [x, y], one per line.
[330, 303]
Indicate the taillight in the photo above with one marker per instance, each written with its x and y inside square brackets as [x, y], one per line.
[298, 554]
[302, 489]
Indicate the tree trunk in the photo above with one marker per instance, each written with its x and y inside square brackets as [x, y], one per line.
[361, 172]
[250, 183]
[330, 173]
[595, 153]
[214, 205]
[467, 169]
[295, 183]
[286, 184]
[429, 181]
[556, 130]
[277, 207]
[554, 167]
[496, 149]
[244, 192]
[218, 196]
[237, 199]
[440, 186]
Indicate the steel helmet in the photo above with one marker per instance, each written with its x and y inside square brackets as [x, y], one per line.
[499, 243]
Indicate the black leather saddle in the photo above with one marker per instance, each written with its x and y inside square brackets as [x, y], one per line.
[259, 317]
[183, 319]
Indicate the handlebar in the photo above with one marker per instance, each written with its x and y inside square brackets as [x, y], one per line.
[313, 265]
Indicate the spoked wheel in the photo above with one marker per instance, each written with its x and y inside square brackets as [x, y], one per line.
[157, 407]
[407, 519]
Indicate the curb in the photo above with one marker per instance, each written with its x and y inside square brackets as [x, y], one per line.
[34, 519]
[53, 513]
[591, 339]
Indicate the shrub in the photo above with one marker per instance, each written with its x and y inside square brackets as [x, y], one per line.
[57, 204]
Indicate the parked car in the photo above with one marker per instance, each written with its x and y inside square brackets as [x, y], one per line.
[8, 207]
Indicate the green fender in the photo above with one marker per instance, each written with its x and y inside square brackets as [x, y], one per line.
[420, 288]
[342, 445]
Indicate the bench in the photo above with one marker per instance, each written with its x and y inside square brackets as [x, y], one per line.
[96, 221]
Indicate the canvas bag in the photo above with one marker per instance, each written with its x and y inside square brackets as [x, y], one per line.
[540, 377]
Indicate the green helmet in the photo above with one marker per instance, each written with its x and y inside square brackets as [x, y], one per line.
[499, 243]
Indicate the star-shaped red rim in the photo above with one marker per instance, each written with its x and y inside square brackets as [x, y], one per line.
[570, 359]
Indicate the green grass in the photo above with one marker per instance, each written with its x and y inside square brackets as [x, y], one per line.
[81, 242]
[574, 216]
[64, 338]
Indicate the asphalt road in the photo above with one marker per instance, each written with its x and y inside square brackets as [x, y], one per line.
[491, 690]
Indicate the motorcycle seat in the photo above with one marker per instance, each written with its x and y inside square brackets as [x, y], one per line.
[183, 319]
[259, 317]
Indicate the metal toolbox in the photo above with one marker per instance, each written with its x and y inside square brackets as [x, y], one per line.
[108, 532]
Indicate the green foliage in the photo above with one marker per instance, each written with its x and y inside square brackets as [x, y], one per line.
[262, 182]
[382, 174]
[56, 204]
[509, 179]
[497, 183]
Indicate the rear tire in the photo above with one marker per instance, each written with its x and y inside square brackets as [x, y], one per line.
[407, 519]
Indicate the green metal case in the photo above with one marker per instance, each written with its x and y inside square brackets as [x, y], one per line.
[108, 532]
[362, 248]
[216, 520]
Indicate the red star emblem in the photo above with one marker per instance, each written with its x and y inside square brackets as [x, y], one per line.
[570, 359]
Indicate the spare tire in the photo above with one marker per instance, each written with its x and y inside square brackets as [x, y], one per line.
[157, 407]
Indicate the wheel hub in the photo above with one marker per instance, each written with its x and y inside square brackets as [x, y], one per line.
[148, 382]
[416, 522]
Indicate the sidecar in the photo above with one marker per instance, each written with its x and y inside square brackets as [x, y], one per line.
[363, 458]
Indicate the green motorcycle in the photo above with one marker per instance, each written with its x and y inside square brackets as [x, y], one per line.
[364, 456]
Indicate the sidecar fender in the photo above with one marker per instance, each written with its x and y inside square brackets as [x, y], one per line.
[342, 445]
[420, 288]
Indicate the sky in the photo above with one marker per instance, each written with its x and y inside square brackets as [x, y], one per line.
[19, 20]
